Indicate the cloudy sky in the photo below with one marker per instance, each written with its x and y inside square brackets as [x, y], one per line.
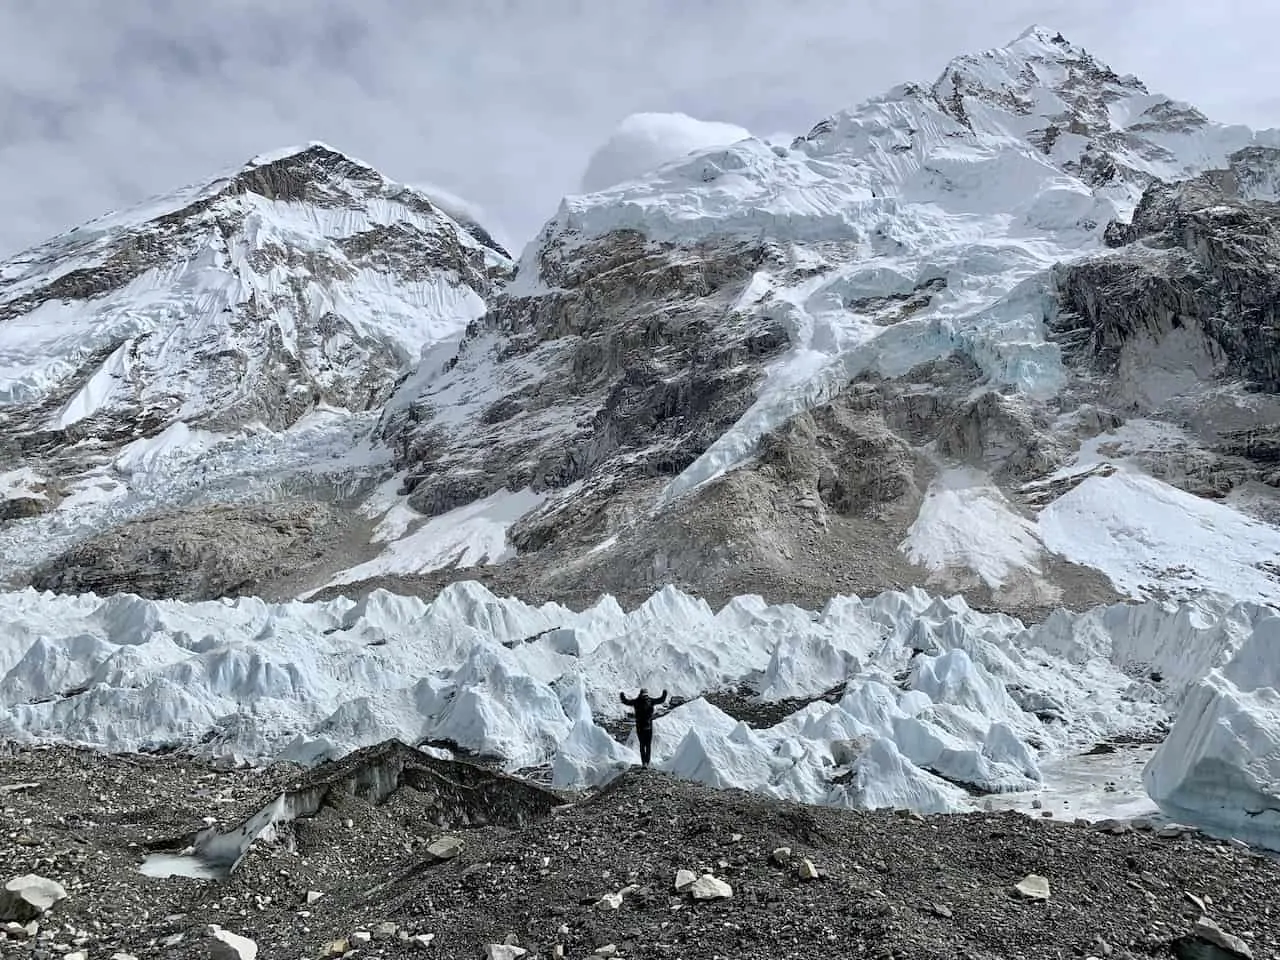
[106, 102]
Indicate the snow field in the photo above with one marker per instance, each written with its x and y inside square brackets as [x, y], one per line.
[1149, 538]
[939, 701]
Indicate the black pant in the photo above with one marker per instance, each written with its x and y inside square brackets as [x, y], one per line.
[646, 743]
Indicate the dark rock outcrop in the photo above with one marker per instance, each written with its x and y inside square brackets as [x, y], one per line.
[1198, 258]
[197, 554]
[630, 366]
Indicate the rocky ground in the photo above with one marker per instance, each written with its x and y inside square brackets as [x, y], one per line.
[591, 876]
[208, 552]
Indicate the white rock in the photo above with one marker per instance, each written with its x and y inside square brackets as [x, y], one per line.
[1208, 931]
[1033, 887]
[361, 937]
[76, 955]
[385, 930]
[504, 951]
[610, 901]
[707, 887]
[780, 856]
[806, 870]
[29, 896]
[226, 945]
[445, 848]
[607, 950]
[684, 880]
[313, 896]
[123, 956]
[422, 940]
[20, 931]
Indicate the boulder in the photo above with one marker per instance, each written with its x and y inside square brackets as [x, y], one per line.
[26, 898]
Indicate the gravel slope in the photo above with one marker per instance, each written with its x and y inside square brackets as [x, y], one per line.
[887, 885]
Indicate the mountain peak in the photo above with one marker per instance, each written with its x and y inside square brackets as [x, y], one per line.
[1038, 34]
[311, 150]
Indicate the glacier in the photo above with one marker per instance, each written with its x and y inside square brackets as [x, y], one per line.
[901, 700]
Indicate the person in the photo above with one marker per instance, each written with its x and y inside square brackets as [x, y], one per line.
[642, 706]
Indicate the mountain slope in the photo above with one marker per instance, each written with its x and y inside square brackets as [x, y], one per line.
[1007, 334]
[303, 285]
[821, 368]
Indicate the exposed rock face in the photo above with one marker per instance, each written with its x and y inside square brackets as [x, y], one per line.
[198, 554]
[1193, 294]
[629, 369]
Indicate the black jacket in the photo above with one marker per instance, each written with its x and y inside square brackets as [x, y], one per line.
[643, 706]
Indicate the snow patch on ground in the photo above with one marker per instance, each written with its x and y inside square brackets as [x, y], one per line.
[463, 537]
[1151, 538]
[966, 523]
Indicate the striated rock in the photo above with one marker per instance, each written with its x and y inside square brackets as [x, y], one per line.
[708, 887]
[445, 848]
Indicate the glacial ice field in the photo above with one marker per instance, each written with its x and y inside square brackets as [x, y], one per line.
[930, 705]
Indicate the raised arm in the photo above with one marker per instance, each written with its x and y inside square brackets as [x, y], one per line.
[629, 703]
[661, 699]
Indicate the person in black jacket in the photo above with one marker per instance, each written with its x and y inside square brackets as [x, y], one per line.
[642, 706]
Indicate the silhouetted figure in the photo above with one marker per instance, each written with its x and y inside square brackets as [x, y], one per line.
[642, 706]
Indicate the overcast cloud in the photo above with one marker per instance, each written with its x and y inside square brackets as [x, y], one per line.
[106, 102]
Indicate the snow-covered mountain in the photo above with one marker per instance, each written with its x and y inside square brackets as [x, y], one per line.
[1010, 333]
[289, 297]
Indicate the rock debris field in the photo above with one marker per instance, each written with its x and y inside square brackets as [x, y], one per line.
[405, 855]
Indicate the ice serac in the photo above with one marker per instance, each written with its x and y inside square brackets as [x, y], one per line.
[225, 344]
[908, 700]
[1219, 768]
[806, 370]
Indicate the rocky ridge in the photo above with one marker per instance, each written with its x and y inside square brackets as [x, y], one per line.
[648, 866]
